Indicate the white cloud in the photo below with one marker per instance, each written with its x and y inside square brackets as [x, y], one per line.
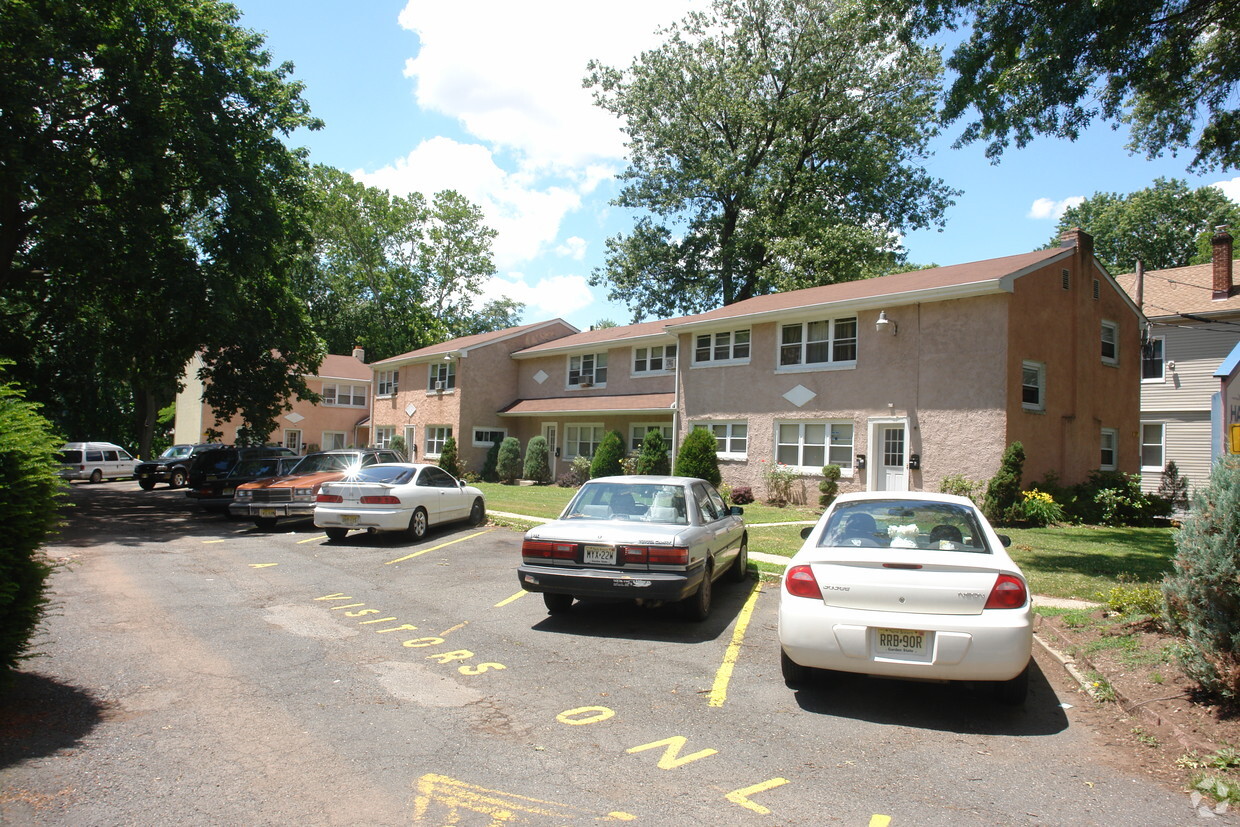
[1230, 188]
[574, 248]
[1044, 208]
[551, 297]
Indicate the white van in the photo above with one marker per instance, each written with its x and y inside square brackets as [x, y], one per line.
[95, 461]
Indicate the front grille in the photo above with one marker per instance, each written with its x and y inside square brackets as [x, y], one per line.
[273, 495]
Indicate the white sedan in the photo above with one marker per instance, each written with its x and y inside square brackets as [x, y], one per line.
[396, 496]
[906, 585]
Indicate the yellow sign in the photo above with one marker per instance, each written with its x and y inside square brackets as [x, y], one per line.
[1235, 438]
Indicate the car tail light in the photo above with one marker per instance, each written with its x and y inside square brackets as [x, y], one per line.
[329, 498]
[384, 499]
[1009, 593]
[548, 551]
[658, 555]
[800, 582]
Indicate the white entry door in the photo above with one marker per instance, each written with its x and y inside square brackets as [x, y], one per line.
[892, 474]
[292, 439]
[551, 433]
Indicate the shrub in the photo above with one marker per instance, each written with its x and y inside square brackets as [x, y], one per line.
[29, 493]
[538, 460]
[1040, 508]
[1202, 593]
[609, 456]
[742, 495]
[447, 457]
[1129, 597]
[697, 457]
[779, 479]
[1173, 488]
[508, 465]
[653, 457]
[1115, 499]
[1004, 487]
[960, 485]
[577, 474]
[399, 445]
[830, 485]
[491, 463]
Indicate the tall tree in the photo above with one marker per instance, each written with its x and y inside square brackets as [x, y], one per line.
[149, 210]
[1165, 225]
[1167, 68]
[773, 144]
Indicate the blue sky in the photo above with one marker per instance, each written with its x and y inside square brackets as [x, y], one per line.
[485, 97]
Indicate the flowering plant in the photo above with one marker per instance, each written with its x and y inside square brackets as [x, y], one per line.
[1040, 508]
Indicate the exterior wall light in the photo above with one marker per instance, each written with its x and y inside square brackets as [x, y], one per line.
[885, 325]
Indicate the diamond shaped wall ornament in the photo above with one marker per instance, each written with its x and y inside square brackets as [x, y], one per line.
[799, 395]
[541, 376]
[294, 418]
[410, 410]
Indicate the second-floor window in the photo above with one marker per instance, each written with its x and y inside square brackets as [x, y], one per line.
[828, 342]
[1110, 343]
[344, 396]
[385, 382]
[1033, 386]
[587, 370]
[1152, 361]
[657, 359]
[727, 346]
[441, 377]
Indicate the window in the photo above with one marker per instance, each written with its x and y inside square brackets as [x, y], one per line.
[1153, 446]
[334, 440]
[819, 343]
[731, 438]
[1110, 449]
[657, 359]
[385, 384]
[814, 444]
[486, 437]
[582, 440]
[436, 436]
[1153, 361]
[729, 346]
[433, 477]
[637, 435]
[383, 436]
[441, 376]
[1110, 343]
[1033, 386]
[344, 396]
[587, 370]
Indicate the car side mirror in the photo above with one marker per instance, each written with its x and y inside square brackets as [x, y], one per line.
[1005, 540]
[805, 532]
[736, 511]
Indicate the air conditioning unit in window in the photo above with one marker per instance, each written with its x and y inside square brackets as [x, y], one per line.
[669, 363]
[439, 385]
[585, 383]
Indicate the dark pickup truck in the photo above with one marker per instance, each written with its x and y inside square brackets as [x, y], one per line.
[216, 494]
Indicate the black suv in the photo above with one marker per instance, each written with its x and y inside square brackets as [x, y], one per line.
[216, 495]
[217, 462]
[172, 466]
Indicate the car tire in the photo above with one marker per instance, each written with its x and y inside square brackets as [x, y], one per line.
[557, 603]
[146, 485]
[96, 476]
[1013, 692]
[740, 566]
[265, 523]
[795, 675]
[696, 607]
[177, 479]
[478, 513]
[418, 524]
[336, 534]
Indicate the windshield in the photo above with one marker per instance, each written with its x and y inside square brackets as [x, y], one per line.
[262, 467]
[648, 503]
[314, 463]
[904, 524]
[177, 451]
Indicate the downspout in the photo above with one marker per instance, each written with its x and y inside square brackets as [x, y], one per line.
[676, 404]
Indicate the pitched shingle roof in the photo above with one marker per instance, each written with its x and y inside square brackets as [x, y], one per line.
[465, 343]
[599, 336]
[631, 403]
[1179, 290]
[344, 367]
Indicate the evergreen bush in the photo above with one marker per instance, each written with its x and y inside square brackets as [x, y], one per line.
[399, 445]
[508, 465]
[829, 488]
[697, 457]
[1202, 593]
[609, 457]
[1174, 488]
[30, 490]
[1004, 487]
[447, 457]
[491, 463]
[653, 457]
[538, 460]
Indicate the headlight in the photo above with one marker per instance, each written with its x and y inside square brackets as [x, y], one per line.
[243, 494]
[303, 493]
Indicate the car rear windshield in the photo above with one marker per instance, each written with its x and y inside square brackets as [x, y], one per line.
[263, 467]
[391, 474]
[920, 524]
[648, 503]
[71, 457]
[314, 463]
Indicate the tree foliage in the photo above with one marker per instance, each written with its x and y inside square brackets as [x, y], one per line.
[1003, 490]
[1164, 225]
[697, 457]
[149, 209]
[448, 460]
[1167, 68]
[508, 464]
[653, 457]
[538, 460]
[773, 144]
[609, 456]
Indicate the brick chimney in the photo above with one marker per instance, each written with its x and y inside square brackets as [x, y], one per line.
[359, 353]
[1083, 241]
[1222, 249]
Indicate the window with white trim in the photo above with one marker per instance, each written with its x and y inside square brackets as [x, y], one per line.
[1153, 447]
[582, 440]
[335, 440]
[386, 382]
[436, 436]
[1153, 361]
[731, 438]
[812, 445]
[826, 342]
[726, 346]
[637, 434]
[1033, 386]
[441, 376]
[383, 436]
[344, 396]
[656, 359]
[486, 437]
[587, 370]
[1110, 343]
[1110, 450]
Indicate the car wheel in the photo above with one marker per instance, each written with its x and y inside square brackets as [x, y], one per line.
[557, 603]
[146, 485]
[336, 534]
[418, 524]
[697, 605]
[96, 476]
[177, 478]
[478, 514]
[265, 523]
[1013, 692]
[795, 675]
[740, 566]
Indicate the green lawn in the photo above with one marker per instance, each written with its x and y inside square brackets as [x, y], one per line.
[1067, 561]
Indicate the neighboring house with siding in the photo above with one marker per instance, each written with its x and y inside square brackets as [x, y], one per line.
[1194, 323]
[338, 421]
[1228, 375]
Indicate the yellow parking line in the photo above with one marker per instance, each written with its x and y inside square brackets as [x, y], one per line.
[436, 548]
[508, 600]
[719, 692]
[209, 542]
[312, 539]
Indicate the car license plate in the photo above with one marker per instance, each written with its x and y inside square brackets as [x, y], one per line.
[606, 555]
[227, 492]
[348, 519]
[901, 643]
[267, 512]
